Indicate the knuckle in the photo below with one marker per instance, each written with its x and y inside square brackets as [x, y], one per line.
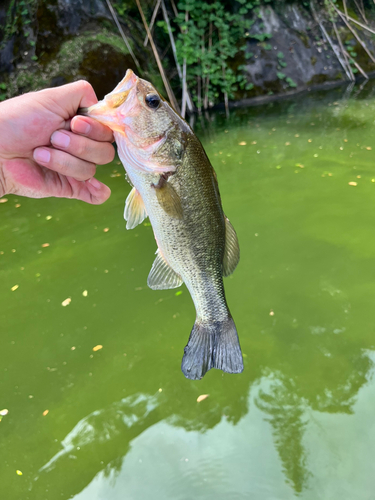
[84, 85]
[82, 149]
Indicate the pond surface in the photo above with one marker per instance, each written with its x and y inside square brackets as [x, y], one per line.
[122, 422]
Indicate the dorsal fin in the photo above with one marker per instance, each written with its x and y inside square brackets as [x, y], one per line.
[162, 276]
[232, 249]
[135, 211]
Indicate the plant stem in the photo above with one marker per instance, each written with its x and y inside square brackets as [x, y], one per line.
[184, 90]
[167, 86]
[123, 35]
[343, 51]
[208, 76]
[354, 33]
[175, 11]
[154, 14]
[328, 38]
[189, 101]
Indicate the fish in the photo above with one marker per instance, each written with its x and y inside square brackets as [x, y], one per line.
[174, 184]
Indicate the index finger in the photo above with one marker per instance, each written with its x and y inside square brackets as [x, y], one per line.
[71, 96]
[89, 127]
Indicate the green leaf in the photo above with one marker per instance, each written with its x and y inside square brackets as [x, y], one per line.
[280, 75]
[291, 82]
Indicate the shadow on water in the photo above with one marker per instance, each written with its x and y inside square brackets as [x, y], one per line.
[123, 422]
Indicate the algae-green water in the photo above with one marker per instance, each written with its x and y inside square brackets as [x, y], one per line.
[98, 408]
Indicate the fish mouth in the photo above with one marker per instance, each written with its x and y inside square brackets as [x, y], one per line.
[106, 111]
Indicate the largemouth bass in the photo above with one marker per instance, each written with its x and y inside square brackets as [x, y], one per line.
[175, 185]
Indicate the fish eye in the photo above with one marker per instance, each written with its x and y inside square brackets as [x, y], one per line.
[152, 101]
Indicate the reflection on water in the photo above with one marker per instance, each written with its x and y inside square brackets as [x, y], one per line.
[242, 461]
[123, 422]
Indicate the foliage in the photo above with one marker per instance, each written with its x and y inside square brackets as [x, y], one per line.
[209, 36]
[3, 95]
[19, 16]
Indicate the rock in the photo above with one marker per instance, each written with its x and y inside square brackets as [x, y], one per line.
[59, 41]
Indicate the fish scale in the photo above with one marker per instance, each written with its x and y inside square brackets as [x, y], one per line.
[176, 187]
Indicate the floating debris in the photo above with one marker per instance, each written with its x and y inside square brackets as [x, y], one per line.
[3, 413]
[17, 205]
[49, 217]
[272, 313]
[106, 229]
[3, 200]
[18, 472]
[85, 293]
[14, 288]
[369, 148]
[97, 348]
[202, 397]
[45, 245]
[242, 143]
[352, 183]
[287, 144]
[45, 413]
[178, 293]
[66, 302]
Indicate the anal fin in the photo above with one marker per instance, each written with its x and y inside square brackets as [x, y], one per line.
[135, 210]
[162, 276]
[231, 250]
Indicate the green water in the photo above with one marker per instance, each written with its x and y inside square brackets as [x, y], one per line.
[123, 422]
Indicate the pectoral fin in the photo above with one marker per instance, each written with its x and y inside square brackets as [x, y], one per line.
[162, 276]
[232, 249]
[135, 211]
[169, 199]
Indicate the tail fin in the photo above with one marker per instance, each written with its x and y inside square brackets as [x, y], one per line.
[212, 345]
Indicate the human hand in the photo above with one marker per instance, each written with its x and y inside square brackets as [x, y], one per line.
[45, 150]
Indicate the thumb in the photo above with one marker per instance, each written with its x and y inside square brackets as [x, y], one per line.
[71, 96]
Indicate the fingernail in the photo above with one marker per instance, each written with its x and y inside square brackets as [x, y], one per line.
[81, 126]
[42, 155]
[60, 139]
[95, 183]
